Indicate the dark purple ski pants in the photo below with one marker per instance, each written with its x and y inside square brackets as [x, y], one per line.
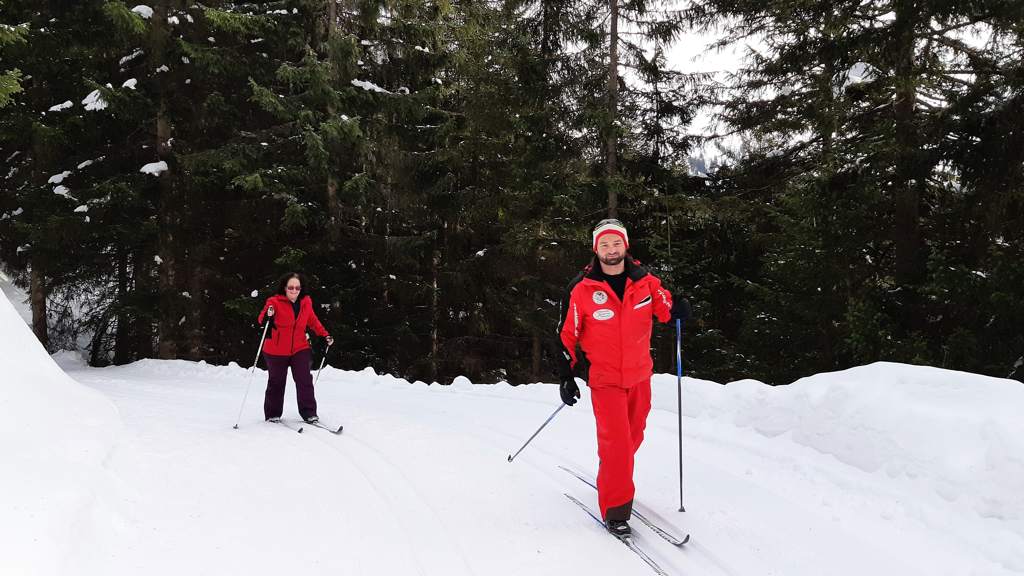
[277, 366]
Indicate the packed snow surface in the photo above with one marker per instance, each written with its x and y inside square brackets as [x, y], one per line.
[882, 469]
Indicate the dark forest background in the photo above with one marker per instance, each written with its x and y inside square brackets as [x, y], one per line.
[435, 168]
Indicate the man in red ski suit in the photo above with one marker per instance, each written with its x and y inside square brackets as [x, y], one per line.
[609, 311]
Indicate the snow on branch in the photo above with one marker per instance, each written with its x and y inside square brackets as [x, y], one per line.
[370, 86]
[154, 168]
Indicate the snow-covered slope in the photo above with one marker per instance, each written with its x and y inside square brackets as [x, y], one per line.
[882, 469]
[56, 435]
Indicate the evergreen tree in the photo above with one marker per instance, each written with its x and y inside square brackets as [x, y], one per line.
[10, 80]
[852, 106]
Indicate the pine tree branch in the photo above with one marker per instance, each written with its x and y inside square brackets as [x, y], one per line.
[956, 80]
[971, 22]
[976, 57]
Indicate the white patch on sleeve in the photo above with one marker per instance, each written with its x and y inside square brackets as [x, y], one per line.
[664, 299]
[576, 321]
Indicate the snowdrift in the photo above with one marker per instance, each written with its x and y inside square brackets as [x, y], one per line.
[55, 435]
[960, 434]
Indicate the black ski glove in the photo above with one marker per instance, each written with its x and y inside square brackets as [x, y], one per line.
[681, 310]
[569, 390]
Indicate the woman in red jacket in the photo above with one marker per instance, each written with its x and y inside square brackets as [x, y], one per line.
[290, 313]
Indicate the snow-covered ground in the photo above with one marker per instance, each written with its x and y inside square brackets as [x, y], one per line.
[136, 470]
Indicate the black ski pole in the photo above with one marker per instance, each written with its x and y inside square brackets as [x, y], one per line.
[322, 361]
[553, 414]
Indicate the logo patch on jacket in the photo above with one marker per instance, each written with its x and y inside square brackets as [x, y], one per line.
[603, 314]
[600, 297]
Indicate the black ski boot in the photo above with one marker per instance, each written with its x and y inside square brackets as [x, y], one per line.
[619, 528]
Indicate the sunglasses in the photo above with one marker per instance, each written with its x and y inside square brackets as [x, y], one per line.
[294, 288]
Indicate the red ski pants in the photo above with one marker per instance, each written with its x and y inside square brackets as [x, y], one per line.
[621, 416]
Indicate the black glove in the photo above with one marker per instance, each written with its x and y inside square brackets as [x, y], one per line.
[562, 366]
[680, 310]
[569, 390]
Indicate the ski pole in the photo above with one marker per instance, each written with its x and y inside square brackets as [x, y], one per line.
[252, 371]
[322, 361]
[553, 414]
[679, 404]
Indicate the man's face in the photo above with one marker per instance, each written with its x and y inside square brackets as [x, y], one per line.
[611, 249]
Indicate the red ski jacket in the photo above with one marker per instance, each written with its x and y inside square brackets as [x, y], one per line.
[615, 335]
[287, 334]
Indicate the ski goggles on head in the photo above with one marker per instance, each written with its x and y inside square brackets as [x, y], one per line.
[610, 221]
[610, 226]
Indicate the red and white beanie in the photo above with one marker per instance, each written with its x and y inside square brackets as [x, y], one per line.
[610, 226]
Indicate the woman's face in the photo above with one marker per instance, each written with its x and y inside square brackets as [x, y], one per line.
[293, 288]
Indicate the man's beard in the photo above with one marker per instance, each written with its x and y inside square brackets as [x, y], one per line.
[613, 260]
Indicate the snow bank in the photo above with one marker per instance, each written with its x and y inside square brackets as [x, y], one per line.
[958, 434]
[55, 436]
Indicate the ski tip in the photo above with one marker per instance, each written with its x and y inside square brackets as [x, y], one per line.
[684, 540]
[300, 430]
[235, 426]
[340, 428]
[509, 457]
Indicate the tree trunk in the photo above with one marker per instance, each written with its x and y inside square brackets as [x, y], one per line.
[611, 167]
[38, 293]
[907, 182]
[536, 367]
[43, 162]
[435, 310]
[122, 331]
[169, 217]
[142, 299]
[196, 336]
[333, 206]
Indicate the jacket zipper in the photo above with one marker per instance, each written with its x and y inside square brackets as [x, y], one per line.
[294, 324]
